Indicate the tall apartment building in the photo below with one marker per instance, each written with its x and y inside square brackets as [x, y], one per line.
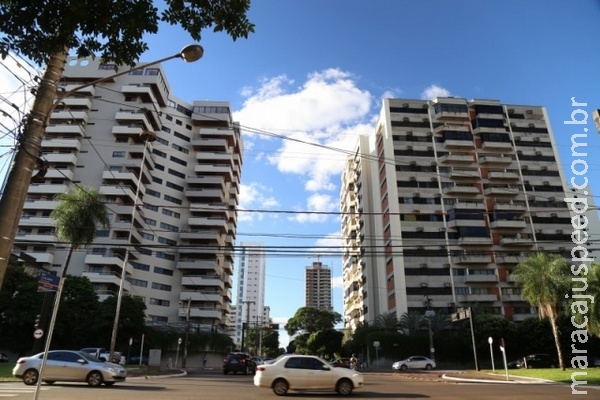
[443, 202]
[250, 287]
[318, 286]
[182, 233]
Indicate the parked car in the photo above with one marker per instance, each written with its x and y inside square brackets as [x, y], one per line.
[68, 366]
[258, 360]
[3, 357]
[414, 362]
[238, 362]
[515, 364]
[299, 372]
[539, 361]
[102, 354]
[341, 363]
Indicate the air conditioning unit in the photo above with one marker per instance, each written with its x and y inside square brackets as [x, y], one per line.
[420, 229]
[559, 231]
[424, 284]
[413, 163]
[412, 179]
[416, 211]
[424, 265]
[553, 215]
[538, 153]
[446, 265]
[409, 147]
[442, 229]
[438, 195]
[544, 167]
[536, 139]
[546, 183]
[517, 138]
[447, 284]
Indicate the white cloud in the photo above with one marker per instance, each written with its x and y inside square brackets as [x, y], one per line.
[255, 196]
[321, 119]
[319, 207]
[433, 91]
[337, 282]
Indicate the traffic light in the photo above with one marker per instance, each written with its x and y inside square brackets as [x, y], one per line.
[273, 326]
[36, 324]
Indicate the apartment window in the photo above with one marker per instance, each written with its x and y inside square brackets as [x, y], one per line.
[181, 136]
[118, 154]
[159, 167]
[140, 266]
[163, 271]
[166, 128]
[137, 282]
[179, 148]
[168, 227]
[176, 173]
[161, 286]
[178, 161]
[173, 199]
[162, 141]
[153, 193]
[150, 207]
[169, 117]
[171, 213]
[157, 180]
[159, 302]
[159, 153]
[166, 241]
[174, 186]
[151, 222]
[165, 256]
[147, 236]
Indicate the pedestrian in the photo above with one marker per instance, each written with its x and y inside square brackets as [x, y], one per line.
[353, 362]
[204, 361]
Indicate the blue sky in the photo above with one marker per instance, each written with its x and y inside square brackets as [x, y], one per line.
[318, 70]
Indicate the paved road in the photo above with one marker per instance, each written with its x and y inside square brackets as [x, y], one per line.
[216, 386]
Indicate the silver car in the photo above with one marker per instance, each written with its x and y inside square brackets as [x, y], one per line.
[68, 366]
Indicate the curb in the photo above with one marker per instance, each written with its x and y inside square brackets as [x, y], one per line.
[526, 381]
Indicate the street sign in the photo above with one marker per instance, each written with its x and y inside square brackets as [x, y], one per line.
[376, 344]
[47, 282]
[38, 333]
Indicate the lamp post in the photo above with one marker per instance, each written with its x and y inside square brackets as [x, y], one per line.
[28, 151]
[429, 314]
[187, 333]
[146, 137]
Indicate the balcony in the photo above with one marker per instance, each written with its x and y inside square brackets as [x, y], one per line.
[495, 160]
[501, 175]
[474, 241]
[77, 103]
[205, 265]
[204, 313]
[457, 159]
[61, 158]
[65, 129]
[101, 259]
[525, 241]
[472, 259]
[477, 298]
[509, 259]
[512, 297]
[508, 224]
[71, 144]
[201, 296]
[464, 173]
[43, 258]
[497, 146]
[205, 281]
[47, 188]
[501, 191]
[481, 278]
[458, 144]
[461, 189]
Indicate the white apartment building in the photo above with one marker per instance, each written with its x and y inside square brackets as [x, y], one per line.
[318, 286]
[443, 202]
[181, 235]
[250, 287]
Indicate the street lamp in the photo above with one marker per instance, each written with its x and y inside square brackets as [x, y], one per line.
[430, 314]
[28, 151]
[187, 333]
[146, 137]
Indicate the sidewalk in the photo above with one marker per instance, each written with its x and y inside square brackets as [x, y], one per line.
[484, 377]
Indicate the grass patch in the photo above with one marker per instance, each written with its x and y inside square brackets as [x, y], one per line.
[6, 372]
[555, 374]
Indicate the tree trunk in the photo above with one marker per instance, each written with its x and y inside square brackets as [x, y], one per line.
[556, 334]
[28, 151]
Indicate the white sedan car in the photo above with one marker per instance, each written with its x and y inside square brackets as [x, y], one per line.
[299, 372]
[68, 366]
[414, 362]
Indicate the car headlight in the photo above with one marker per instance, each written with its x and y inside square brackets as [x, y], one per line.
[114, 370]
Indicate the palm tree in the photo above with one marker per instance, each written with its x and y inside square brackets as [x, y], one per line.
[77, 217]
[543, 279]
[386, 322]
[412, 322]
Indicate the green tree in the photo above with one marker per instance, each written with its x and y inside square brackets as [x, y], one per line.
[386, 322]
[45, 31]
[325, 343]
[270, 344]
[77, 217]
[310, 320]
[593, 308]
[131, 321]
[543, 279]
[412, 322]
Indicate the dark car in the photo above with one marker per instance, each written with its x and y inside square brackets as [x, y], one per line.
[341, 363]
[539, 361]
[238, 362]
[3, 357]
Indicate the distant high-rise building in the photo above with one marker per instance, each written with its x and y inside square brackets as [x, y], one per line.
[441, 204]
[250, 286]
[176, 213]
[318, 286]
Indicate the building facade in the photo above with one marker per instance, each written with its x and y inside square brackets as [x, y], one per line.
[180, 163]
[318, 286]
[250, 287]
[443, 202]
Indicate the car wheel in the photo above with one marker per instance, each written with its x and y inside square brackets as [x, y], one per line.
[344, 387]
[403, 367]
[428, 367]
[94, 378]
[280, 387]
[30, 377]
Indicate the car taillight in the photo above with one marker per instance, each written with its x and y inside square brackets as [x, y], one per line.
[260, 368]
[243, 360]
[20, 361]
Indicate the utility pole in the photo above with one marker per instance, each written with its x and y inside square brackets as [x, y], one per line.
[187, 333]
[247, 323]
[429, 314]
